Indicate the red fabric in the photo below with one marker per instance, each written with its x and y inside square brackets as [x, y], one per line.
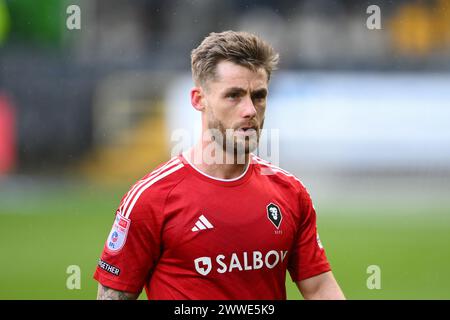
[241, 255]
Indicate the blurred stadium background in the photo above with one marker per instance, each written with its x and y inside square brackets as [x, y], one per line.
[363, 117]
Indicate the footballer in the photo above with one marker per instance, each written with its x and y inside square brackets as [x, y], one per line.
[216, 221]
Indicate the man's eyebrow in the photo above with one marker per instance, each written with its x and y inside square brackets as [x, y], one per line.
[242, 90]
[260, 91]
[235, 90]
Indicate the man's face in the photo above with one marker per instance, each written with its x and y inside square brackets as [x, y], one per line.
[236, 99]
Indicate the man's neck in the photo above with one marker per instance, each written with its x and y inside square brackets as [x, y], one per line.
[220, 168]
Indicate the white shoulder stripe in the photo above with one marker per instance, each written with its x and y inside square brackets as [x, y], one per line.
[262, 161]
[149, 183]
[134, 189]
[277, 169]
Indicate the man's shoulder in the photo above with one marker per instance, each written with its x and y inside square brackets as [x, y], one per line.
[277, 174]
[154, 186]
[281, 177]
[164, 176]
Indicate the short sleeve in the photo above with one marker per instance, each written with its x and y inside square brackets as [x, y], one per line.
[308, 257]
[132, 247]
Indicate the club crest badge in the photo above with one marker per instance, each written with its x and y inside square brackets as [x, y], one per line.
[118, 234]
[274, 214]
[203, 265]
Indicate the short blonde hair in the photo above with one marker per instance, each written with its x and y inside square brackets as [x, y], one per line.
[242, 48]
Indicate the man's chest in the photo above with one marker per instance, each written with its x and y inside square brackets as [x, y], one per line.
[229, 230]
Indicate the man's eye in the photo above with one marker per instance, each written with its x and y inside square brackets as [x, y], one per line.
[232, 96]
[259, 98]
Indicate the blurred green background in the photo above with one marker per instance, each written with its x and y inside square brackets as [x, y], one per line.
[45, 232]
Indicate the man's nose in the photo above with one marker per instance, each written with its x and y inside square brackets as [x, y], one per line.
[249, 110]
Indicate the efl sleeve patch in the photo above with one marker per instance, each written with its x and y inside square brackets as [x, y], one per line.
[118, 235]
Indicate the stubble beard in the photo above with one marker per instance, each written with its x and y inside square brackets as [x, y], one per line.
[237, 147]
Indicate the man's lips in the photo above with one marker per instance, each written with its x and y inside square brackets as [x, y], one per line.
[247, 127]
[246, 130]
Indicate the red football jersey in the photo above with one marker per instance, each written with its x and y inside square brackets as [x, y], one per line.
[182, 234]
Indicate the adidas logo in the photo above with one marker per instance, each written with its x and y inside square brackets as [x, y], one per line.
[202, 224]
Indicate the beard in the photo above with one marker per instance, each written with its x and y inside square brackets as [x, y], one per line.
[231, 140]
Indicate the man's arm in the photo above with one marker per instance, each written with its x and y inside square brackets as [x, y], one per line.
[320, 287]
[105, 293]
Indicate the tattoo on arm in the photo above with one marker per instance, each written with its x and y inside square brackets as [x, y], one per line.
[105, 293]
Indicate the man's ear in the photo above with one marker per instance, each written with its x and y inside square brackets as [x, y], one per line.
[198, 98]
